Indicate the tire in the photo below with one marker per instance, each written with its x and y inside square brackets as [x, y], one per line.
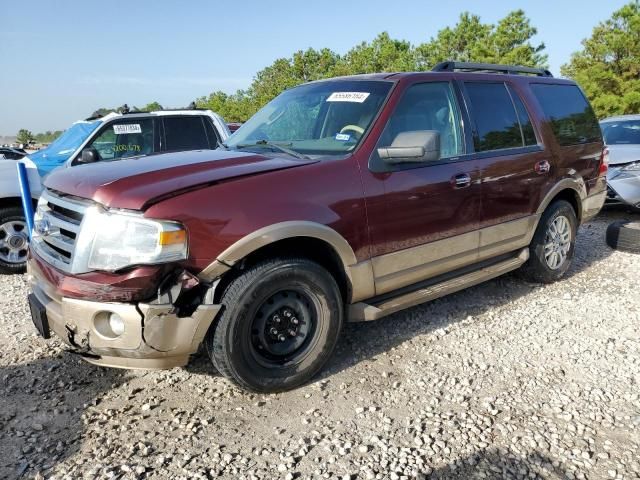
[549, 259]
[624, 235]
[268, 298]
[13, 240]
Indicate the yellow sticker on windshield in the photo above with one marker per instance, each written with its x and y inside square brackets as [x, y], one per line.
[357, 97]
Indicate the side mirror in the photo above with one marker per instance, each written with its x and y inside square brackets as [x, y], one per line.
[89, 155]
[412, 147]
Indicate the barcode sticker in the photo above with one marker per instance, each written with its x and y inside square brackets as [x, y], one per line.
[127, 128]
[357, 97]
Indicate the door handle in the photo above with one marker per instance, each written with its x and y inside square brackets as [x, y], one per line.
[542, 167]
[462, 180]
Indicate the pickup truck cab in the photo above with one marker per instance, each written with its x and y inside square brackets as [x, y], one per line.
[115, 136]
[341, 200]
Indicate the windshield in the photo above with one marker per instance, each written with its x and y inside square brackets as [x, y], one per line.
[624, 132]
[324, 118]
[62, 147]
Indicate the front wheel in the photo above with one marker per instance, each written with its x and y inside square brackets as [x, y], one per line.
[280, 323]
[553, 244]
[14, 240]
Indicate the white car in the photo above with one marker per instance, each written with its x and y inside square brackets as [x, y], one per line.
[116, 136]
[622, 137]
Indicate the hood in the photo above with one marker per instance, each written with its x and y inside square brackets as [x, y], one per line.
[136, 183]
[621, 154]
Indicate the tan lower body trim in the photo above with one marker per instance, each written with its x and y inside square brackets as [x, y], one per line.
[365, 312]
[412, 265]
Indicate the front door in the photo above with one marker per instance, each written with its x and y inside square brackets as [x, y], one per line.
[424, 222]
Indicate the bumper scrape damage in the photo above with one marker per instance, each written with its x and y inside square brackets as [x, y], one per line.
[162, 333]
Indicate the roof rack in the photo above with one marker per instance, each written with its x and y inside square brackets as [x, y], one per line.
[489, 68]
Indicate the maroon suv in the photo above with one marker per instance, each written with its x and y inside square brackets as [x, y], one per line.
[343, 199]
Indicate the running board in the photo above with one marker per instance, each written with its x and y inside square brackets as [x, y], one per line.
[364, 312]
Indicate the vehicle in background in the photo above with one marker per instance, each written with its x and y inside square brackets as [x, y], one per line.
[342, 199]
[115, 136]
[233, 126]
[622, 137]
[10, 153]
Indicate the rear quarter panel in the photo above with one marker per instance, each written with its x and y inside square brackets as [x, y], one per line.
[578, 163]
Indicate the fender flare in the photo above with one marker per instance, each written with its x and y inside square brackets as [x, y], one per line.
[360, 274]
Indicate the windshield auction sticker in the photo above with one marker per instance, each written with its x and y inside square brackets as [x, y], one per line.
[127, 128]
[357, 97]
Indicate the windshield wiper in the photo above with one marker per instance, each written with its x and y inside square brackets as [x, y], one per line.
[277, 146]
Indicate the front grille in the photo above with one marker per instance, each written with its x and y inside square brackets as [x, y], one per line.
[56, 228]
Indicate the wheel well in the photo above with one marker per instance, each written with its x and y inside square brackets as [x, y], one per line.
[311, 248]
[570, 196]
[14, 202]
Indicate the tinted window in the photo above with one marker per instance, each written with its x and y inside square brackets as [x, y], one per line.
[124, 139]
[496, 120]
[624, 132]
[428, 106]
[526, 126]
[185, 133]
[572, 119]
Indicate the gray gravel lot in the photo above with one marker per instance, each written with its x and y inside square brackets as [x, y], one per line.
[503, 380]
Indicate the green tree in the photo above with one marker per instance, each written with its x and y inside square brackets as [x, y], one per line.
[608, 66]
[509, 41]
[152, 107]
[383, 54]
[24, 136]
[470, 40]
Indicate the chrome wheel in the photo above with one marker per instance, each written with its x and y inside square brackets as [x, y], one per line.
[557, 242]
[14, 242]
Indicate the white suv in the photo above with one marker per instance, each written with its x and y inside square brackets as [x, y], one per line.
[113, 137]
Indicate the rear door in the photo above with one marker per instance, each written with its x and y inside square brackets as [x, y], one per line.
[187, 132]
[514, 165]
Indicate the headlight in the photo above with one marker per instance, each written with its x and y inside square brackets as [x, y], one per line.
[114, 240]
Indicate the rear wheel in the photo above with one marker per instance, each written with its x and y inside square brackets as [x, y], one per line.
[279, 326]
[14, 240]
[552, 247]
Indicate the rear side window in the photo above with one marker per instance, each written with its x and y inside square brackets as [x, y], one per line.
[185, 133]
[526, 126]
[572, 119]
[495, 116]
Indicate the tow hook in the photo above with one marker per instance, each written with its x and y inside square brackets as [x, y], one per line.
[81, 348]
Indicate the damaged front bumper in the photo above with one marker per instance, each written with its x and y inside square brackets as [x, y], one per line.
[149, 335]
[623, 187]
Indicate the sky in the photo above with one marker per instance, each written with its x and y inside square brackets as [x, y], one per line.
[61, 60]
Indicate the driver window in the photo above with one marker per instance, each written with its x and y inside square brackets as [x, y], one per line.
[124, 139]
[428, 106]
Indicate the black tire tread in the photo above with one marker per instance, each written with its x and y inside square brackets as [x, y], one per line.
[535, 270]
[215, 341]
[620, 237]
[5, 214]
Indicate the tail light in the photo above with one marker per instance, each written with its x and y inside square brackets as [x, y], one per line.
[604, 162]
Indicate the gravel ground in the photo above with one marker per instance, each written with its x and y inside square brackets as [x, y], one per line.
[503, 380]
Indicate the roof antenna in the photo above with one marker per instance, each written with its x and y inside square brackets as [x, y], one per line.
[192, 106]
[124, 109]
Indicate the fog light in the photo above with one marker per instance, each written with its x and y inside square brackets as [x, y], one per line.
[108, 325]
[116, 324]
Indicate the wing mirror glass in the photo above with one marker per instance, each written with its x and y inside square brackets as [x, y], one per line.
[412, 147]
